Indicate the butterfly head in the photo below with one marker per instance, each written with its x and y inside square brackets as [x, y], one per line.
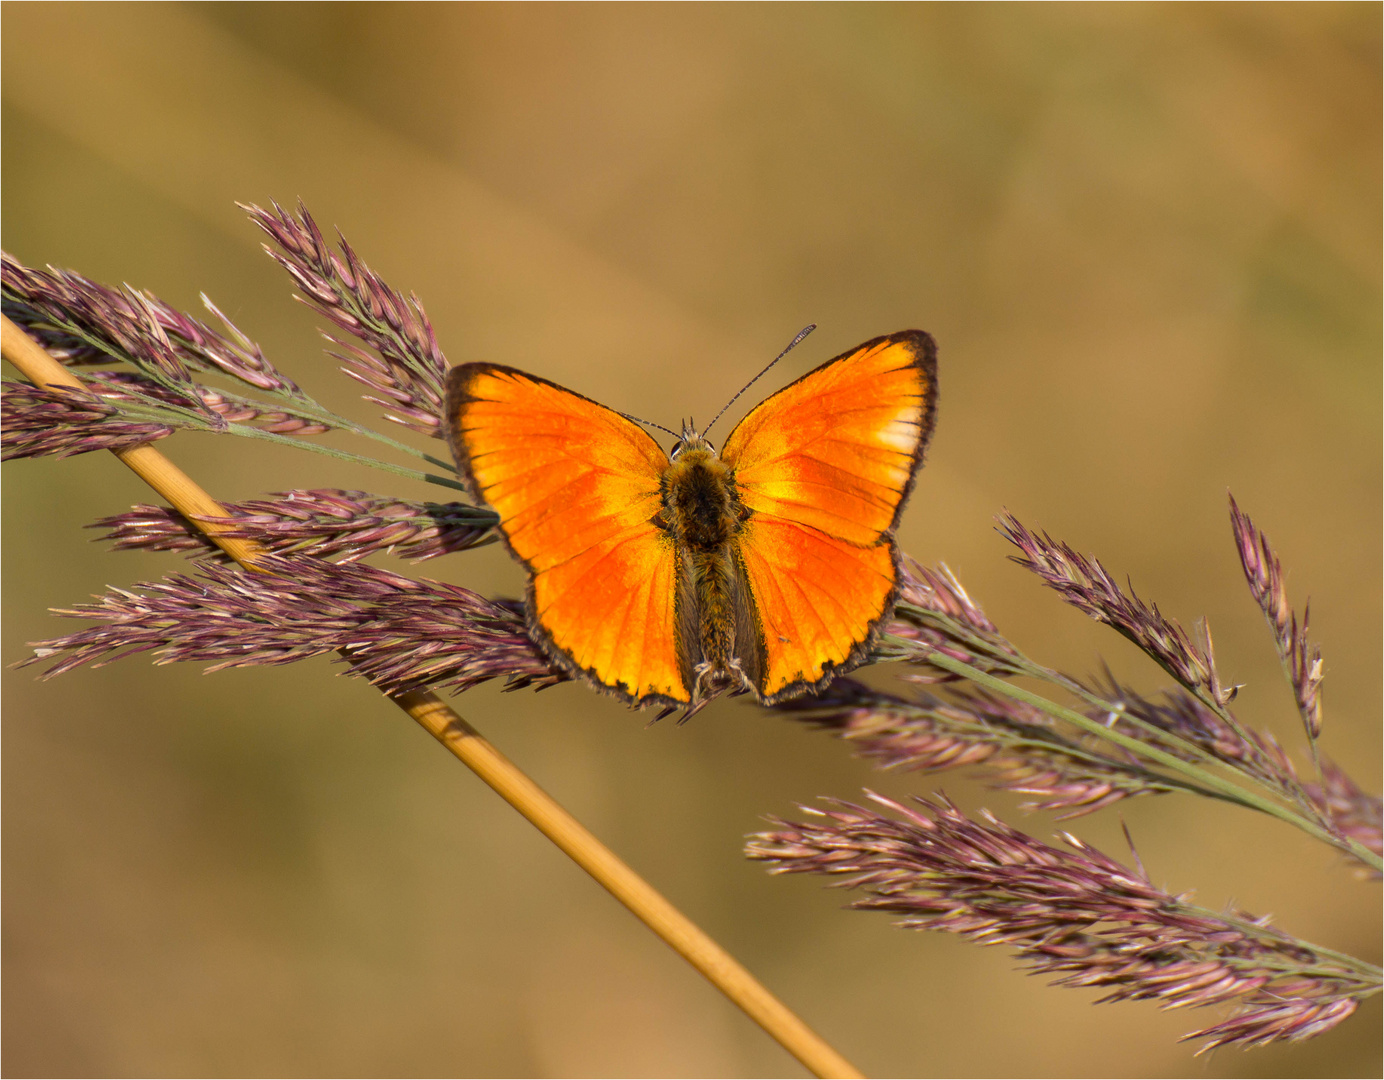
[691, 439]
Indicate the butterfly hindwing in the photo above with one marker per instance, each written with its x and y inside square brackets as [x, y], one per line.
[576, 487]
[824, 467]
[818, 600]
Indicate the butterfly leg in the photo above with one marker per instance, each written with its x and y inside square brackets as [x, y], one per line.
[711, 680]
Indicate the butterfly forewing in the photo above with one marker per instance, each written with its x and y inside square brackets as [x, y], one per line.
[576, 487]
[837, 449]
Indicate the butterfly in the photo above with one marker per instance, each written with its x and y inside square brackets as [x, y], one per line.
[667, 579]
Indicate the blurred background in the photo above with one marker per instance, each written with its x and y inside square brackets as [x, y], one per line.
[1147, 240]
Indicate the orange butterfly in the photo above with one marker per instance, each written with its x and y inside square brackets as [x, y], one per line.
[666, 579]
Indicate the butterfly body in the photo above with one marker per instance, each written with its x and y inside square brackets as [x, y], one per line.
[703, 515]
[769, 567]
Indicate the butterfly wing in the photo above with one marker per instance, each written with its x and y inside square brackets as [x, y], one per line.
[824, 467]
[576, 487]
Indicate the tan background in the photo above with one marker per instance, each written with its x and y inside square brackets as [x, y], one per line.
[1147, 240]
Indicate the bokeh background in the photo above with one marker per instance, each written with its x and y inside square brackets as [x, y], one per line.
[1147, 239]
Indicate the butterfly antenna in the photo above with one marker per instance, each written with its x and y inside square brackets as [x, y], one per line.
[650, 423]
[801, 334]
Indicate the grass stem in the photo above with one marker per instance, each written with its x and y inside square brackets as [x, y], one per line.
[1202, 777]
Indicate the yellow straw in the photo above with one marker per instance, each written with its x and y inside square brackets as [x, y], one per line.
[512, 785]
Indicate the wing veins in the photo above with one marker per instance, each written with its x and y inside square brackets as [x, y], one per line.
[632, 534]
[800, 449]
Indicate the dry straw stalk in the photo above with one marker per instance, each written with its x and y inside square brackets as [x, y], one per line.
[502, 775]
